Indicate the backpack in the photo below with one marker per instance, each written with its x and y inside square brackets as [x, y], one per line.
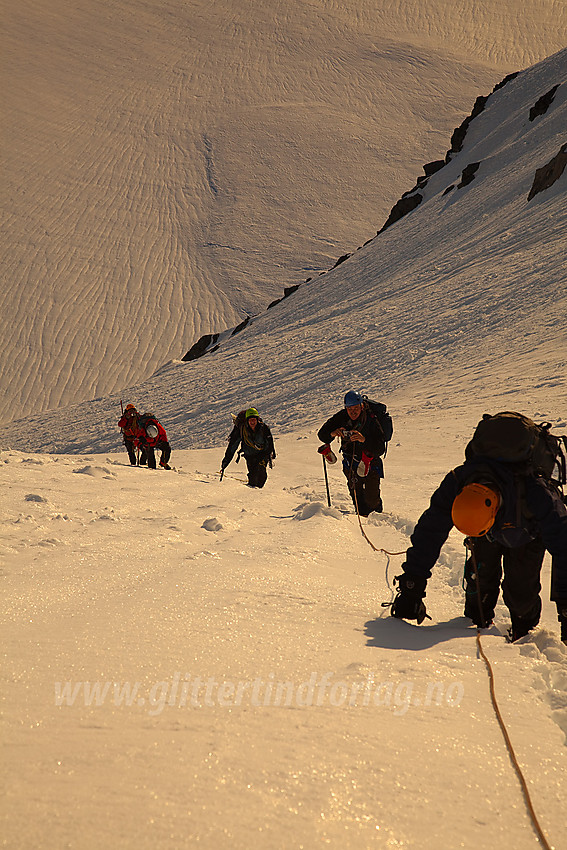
[514, 439]
[148, 419]
[506, 448]
[379, 412]
[239, 418]
[145, 418]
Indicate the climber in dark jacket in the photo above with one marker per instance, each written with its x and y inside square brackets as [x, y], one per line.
[484, 507]
[256, 443]
[362, 444]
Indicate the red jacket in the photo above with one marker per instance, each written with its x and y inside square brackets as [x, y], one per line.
[152, 441]
[129, 425]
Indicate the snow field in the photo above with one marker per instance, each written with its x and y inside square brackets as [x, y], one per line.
[273, 699]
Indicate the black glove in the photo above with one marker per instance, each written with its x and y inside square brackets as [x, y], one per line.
[408, 604]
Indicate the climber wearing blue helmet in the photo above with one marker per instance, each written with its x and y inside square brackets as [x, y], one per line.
[364, 427]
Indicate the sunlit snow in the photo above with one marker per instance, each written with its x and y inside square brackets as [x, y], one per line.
[192, 663]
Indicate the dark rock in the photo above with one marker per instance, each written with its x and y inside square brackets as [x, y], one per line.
[506, 80]
[341, 260]
[449, 189]
[458, 137]
[289, 290]
[542, 105]
[200, 347]
[241, 326]
[548, 174]
[273, 304]
[402, 208]
[468, 174]
[432, 167]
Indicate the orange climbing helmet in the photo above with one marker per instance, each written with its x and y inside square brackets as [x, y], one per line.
[475, 508]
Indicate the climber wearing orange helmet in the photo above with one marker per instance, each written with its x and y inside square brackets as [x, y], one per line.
[511, 514]
[475, 508]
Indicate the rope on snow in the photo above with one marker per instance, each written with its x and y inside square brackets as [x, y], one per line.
[510, 748]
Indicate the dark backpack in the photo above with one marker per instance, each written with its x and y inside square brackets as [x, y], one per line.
[379, 412]
[528, 448]
[239, 418]
[506, 448]
[146, 418]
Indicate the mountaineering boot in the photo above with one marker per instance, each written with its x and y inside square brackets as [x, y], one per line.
[520, 627]
[164, 465]
[471, 611]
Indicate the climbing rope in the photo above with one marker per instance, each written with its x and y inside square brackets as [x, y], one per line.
[364, 534]
[372, 546]
[510, 749]
[496, 708]
[513, 758]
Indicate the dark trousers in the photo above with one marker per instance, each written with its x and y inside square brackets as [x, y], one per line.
[130, 448]
[365, 492]
[148, 454]
[521, 586]
[257, 472]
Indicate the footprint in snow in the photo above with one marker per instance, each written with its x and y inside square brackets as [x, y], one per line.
[310, 509]
[95, 471]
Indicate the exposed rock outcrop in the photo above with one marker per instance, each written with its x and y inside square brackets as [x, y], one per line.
[199, 348]
[405, 205]
[547, 175]
[541, 106]
[468, 174]
[408, 202]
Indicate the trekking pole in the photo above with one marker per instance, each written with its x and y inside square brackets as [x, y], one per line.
[221, 474]
[326, 481]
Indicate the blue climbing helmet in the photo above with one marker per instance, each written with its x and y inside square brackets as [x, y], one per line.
[352, 398]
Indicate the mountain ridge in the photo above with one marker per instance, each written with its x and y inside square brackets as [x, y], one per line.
[467, 291]
[171, 169]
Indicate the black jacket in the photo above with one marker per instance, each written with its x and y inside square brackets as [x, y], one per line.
[374, 444]
[548, 518]
[257, 443]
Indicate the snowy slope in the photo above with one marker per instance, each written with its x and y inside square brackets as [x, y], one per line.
[170, 167]
[252, 690]
[461, 302]
[263, 696]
